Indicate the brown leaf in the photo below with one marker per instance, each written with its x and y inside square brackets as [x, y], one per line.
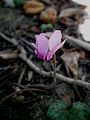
[71, 60]
[82, 54]
[49, 15]
[33, 7]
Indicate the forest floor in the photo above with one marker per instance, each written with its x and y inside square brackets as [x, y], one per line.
[26, 82]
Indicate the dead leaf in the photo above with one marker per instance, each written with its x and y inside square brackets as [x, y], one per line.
[67, 21]
[33, 7]
[82, 54]
[68, 12]
[71, 60]
[49, 15]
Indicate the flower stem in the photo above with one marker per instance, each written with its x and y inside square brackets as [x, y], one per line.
[54, 68]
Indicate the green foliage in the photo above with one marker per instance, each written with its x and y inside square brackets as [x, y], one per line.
[45, 27]
[59, 110]
[19, 2]
[49, 26]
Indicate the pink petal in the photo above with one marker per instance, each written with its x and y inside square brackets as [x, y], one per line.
[41, 46]
[55, 39]
[44, 34]
[52, 52]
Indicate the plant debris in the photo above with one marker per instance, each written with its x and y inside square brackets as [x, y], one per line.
[26, 82]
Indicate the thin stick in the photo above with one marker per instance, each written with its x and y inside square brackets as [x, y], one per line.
[83, 44]
[51, 74]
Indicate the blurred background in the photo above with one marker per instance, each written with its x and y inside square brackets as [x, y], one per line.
[86, 26]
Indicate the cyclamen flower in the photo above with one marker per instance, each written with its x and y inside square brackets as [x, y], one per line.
[45, 48]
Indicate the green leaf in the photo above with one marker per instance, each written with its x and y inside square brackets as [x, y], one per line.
[59, 111]
[49, 26]
[43, 27]
[82, 109]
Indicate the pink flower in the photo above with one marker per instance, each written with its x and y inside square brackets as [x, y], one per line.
[45, 48]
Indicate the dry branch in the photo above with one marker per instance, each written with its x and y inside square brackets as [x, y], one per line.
[60, 77]
[51, 74]
[83, 44]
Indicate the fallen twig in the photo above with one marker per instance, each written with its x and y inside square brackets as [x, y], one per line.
[12, 40]
[24, 90]
[51, 74]
[78, 42]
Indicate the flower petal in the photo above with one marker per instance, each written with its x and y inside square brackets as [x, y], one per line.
[55, 39]
[52, 52]
[41, 46]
